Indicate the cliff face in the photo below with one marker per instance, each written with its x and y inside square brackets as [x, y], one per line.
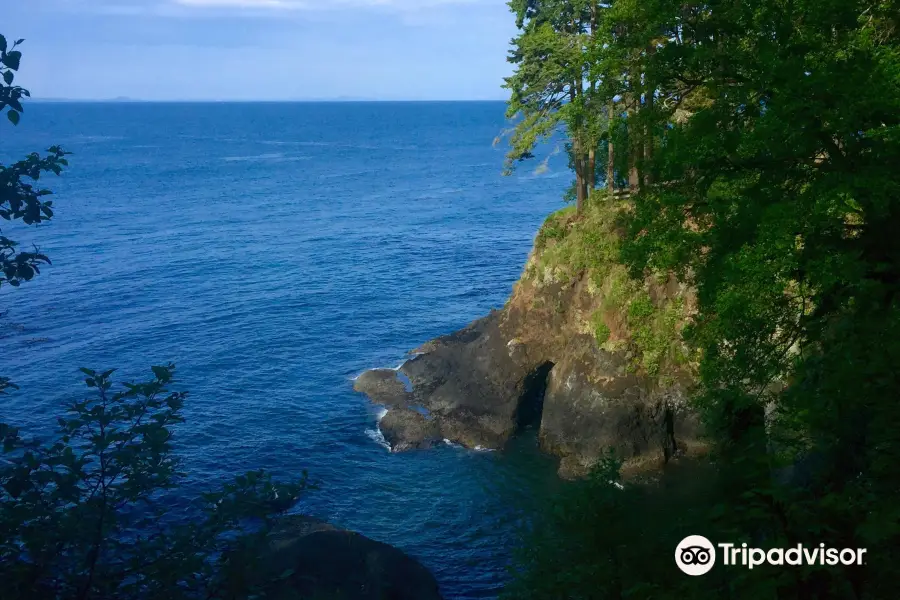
[588, 355]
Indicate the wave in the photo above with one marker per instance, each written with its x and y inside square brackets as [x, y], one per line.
[397, 368]
[97, 138]
[269, 157]
[544, 175]
[347, 174]
[461, 447]
[376, 436]
[294, 143]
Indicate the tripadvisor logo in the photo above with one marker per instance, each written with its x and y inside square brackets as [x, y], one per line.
[696, 555]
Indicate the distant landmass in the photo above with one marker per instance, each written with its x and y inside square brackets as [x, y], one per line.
[117, 99]
[333, 99]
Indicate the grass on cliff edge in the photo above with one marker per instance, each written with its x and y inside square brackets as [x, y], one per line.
[624, 316]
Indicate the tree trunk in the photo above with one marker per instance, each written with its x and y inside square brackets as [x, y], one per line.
[634, 181]
[591, 170]
[611, 158]
[648, 146]
[580, 181]
[635, 148]
[648, 133]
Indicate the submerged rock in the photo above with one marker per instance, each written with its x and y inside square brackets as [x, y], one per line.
[307, 558]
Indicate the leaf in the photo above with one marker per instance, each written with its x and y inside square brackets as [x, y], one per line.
[13, 117]
[2, 44]
[19, 41]
[12, 60]
[8, 77]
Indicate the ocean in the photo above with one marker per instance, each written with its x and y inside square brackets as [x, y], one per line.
[273, 252]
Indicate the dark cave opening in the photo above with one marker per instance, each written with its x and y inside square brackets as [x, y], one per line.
[531, 403]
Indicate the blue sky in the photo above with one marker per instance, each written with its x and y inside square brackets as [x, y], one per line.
[262, 49]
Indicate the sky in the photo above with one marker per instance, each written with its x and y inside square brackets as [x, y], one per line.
[262, 49]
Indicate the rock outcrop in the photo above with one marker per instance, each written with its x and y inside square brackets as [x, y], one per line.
[307, 558]
[406, 428]
[592, 356]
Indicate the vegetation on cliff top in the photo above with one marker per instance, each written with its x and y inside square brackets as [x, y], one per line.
[625, 318]
[760, 144]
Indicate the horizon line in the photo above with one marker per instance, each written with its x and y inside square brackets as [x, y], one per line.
[125, 100]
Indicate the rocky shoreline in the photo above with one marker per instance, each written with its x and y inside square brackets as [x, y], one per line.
[540, 362]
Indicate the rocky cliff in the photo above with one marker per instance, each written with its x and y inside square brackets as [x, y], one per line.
[582, 351]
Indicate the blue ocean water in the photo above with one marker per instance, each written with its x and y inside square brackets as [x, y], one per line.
[273, 252]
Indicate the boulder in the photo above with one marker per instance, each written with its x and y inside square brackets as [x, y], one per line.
[311, 559]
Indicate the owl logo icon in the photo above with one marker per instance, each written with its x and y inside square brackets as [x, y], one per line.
[695, 555]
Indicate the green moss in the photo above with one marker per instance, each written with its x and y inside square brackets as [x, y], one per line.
[599, 328]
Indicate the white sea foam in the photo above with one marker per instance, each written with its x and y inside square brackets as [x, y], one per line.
[268, 157]
[380, 411]
[376, 436]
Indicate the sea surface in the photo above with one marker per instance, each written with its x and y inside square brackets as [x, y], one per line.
[274, 252]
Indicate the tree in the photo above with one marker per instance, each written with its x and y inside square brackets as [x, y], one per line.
[91, 512]
[774, 131]
[551, 89]
[19, 199]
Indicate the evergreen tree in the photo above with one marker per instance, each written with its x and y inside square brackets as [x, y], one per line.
[765, 136]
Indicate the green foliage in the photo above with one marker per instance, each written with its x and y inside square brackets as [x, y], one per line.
[599, 328]
[587, 244]
[19, 198]
[555, 228]
[90, 513]
[766, 136]
[553, 92]
[656, 334]
[10, 95]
